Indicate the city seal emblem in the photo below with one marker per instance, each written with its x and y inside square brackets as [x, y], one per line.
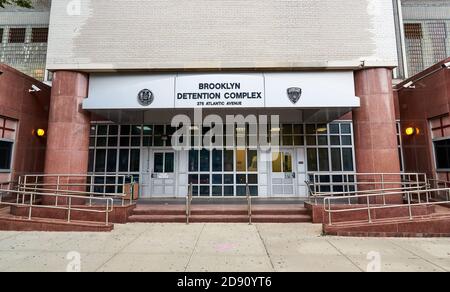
[294, 94]
[145, 97]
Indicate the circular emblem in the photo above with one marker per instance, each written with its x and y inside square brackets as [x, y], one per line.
[145, 97]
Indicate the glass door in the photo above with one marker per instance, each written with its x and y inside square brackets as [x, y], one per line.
[163, 178]
[283, 175]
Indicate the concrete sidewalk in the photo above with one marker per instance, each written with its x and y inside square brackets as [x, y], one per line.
[217, 247]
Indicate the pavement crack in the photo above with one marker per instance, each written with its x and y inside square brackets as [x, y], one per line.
[265, 248]
[345, 256]
[195, 247]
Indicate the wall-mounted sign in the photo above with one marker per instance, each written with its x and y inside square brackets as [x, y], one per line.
[241, 90]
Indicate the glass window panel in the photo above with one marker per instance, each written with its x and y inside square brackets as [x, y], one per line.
[322, 129]
[158, 141]
[241, 162]
[204, 191]
[217, 162]
[148, 141]
[228, 179]
[334, 128]
[90, 164]
[204, 160]
[347, 157]
[101, 141]
[335, 140]
[93, 130]
[287, 129]
[204, 179]
[324, 162]
[228, 160]
[336, 164]
[92, 141]
[241, 191]
[347, 140]
[312, 159]
[102, 130]
[298, 129]
[322, 140]
[442, 150]
[252, 160]
[125, 130]
[311, 140]
[193, 179]
[112, 161]
[112, 141]
[228, 191]
[299, 141]
[311, 129]
[346, 129]
[125, 141]
[158, 166]
[217, 191]
[254, 191]
[169, 163]
[159, 130]
[193, 160]
[241, 179]
[195, 190]
[288, 140]
[134, 160]
[276, 162]
[217, 179]
[148, 130]
[136, 130]
[100, 159]
[113, 130]
[110, 181]
[287, 162]
[253, 179]
[136, 141]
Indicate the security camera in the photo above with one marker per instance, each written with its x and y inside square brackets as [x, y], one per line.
[446, 65]
[34, 88]
[410, 84]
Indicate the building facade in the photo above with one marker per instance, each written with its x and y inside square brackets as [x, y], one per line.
[24, 38]
[322, 69]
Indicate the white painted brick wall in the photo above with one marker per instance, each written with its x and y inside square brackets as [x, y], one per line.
[174, 34]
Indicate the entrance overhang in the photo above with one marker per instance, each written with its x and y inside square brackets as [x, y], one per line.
[295, 97]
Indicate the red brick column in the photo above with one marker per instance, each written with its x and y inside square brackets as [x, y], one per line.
[375, 125]
[68, 127]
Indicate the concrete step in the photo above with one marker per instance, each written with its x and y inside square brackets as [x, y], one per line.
[281, 219]
[157, 219]
[227, 218]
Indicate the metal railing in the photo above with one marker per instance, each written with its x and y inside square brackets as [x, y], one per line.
[249, 204]
[189, 198]
[360, 183]
[329, 202]
[86, 185]
[29, 201]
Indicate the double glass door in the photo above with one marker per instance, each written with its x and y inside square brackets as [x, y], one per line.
[159, 175]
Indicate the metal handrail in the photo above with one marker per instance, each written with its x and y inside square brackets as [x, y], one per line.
[327, 205]
[249, 204]
[188, 203]
[62, 183]
[109, 203]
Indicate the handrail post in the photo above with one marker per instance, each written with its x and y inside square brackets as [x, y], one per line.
[249, 204]
[31, 207]
[368, 208]
[107, 212]
[329, 211]
[382, 189]
[409, 206]
[132, 190]
[69, 209]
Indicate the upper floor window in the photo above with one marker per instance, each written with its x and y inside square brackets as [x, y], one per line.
[17, 35]
[5, 155]
[1, 35]
[442, 152]
[39, 35]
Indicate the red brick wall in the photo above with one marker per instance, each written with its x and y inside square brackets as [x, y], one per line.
[30, 111]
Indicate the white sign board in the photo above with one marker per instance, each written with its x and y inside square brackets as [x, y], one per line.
[240, 90]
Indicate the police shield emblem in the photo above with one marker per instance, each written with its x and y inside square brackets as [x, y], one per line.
[294, 94]
[145, 97]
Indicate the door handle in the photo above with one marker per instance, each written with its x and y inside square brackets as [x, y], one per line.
[293, 175]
